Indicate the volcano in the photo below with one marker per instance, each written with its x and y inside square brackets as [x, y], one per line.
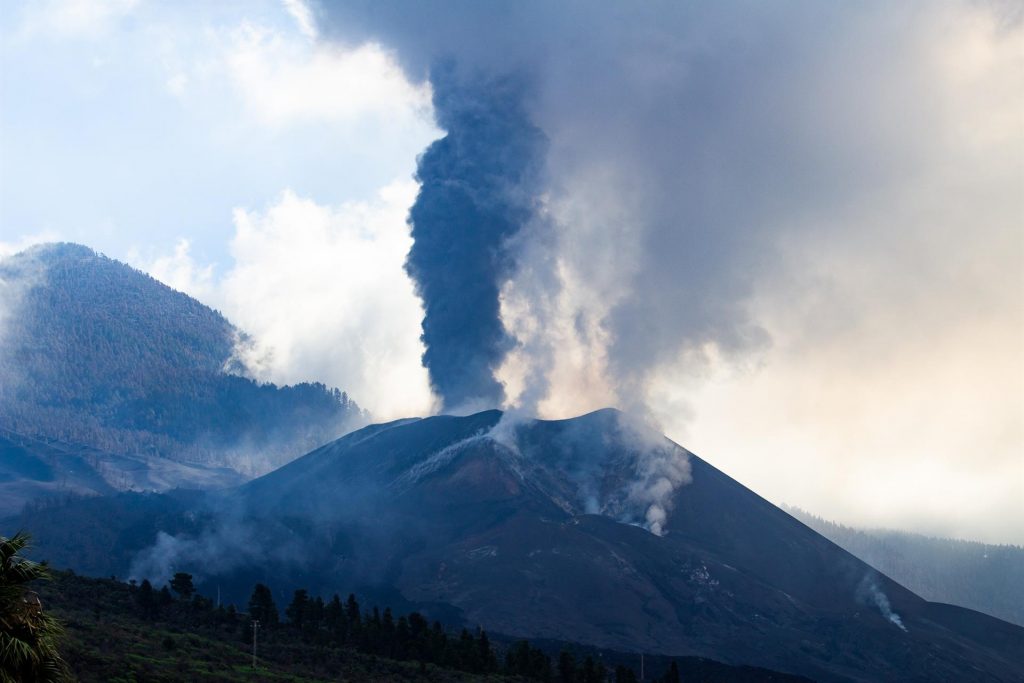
[592, 530]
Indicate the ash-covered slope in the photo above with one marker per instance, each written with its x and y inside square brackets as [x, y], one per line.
[546, 530]
[94, 352]
[42, 471]
[536, 534]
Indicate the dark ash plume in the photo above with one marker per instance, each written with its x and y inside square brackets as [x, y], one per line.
[480, 184]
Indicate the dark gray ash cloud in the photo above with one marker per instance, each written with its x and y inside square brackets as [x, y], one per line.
[479, 185]
[657, 186]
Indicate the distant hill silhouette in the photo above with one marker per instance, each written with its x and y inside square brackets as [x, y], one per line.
[988, 578]
[96, 353]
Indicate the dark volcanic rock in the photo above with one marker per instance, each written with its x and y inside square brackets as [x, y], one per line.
[536, 531]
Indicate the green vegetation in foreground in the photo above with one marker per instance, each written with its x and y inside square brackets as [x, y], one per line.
[121, 633]
[107, 639]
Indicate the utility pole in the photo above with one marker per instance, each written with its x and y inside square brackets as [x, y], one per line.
[255, 629]
[641, 665]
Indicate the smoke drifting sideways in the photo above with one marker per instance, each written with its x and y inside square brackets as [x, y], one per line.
[479, 185]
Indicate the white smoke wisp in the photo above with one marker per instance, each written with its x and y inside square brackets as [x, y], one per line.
[321, 295]
[505, 431]
[209, 553]
[871, 593]
[630, 472]
[227, 544]
[18, 275]
[660, 475]
[436, 461]
[662, 468]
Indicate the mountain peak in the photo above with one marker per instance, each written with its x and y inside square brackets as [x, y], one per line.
[542, 537]
[56, 250]
[101, 354]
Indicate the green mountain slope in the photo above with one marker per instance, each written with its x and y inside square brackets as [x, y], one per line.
[94, 352]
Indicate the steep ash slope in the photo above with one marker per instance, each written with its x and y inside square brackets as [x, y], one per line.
[40, 471]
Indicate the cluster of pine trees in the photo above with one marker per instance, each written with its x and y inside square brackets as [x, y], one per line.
[337, 623]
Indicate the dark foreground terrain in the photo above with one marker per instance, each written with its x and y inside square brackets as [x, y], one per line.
[116, 632]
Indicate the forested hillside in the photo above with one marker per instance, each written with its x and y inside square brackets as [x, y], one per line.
[988, 578]
[121, 632]
[95, 352]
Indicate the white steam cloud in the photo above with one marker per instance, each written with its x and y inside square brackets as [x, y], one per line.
[624, 469]
[209, 554]
[322, 293]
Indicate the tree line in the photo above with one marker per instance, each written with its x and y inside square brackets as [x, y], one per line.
[344, 623]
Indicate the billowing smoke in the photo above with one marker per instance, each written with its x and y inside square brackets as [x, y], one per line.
[691, 145]
[480, 184]
[656, 187]
[617, 464]
[729, 186]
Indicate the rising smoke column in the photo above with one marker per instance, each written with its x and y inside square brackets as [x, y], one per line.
[480, 185]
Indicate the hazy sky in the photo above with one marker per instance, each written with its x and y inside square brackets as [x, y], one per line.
[794, 235]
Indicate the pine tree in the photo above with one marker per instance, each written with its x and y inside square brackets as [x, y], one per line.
[262, 607]
[182, 585]
[566, 667]
[387, 632]
[352, 611]
[296, 611]
[439, 645]
[164, 597]
[146, 600]
[488, 662]
[591, 672]
[334, 619]
[623, 674]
